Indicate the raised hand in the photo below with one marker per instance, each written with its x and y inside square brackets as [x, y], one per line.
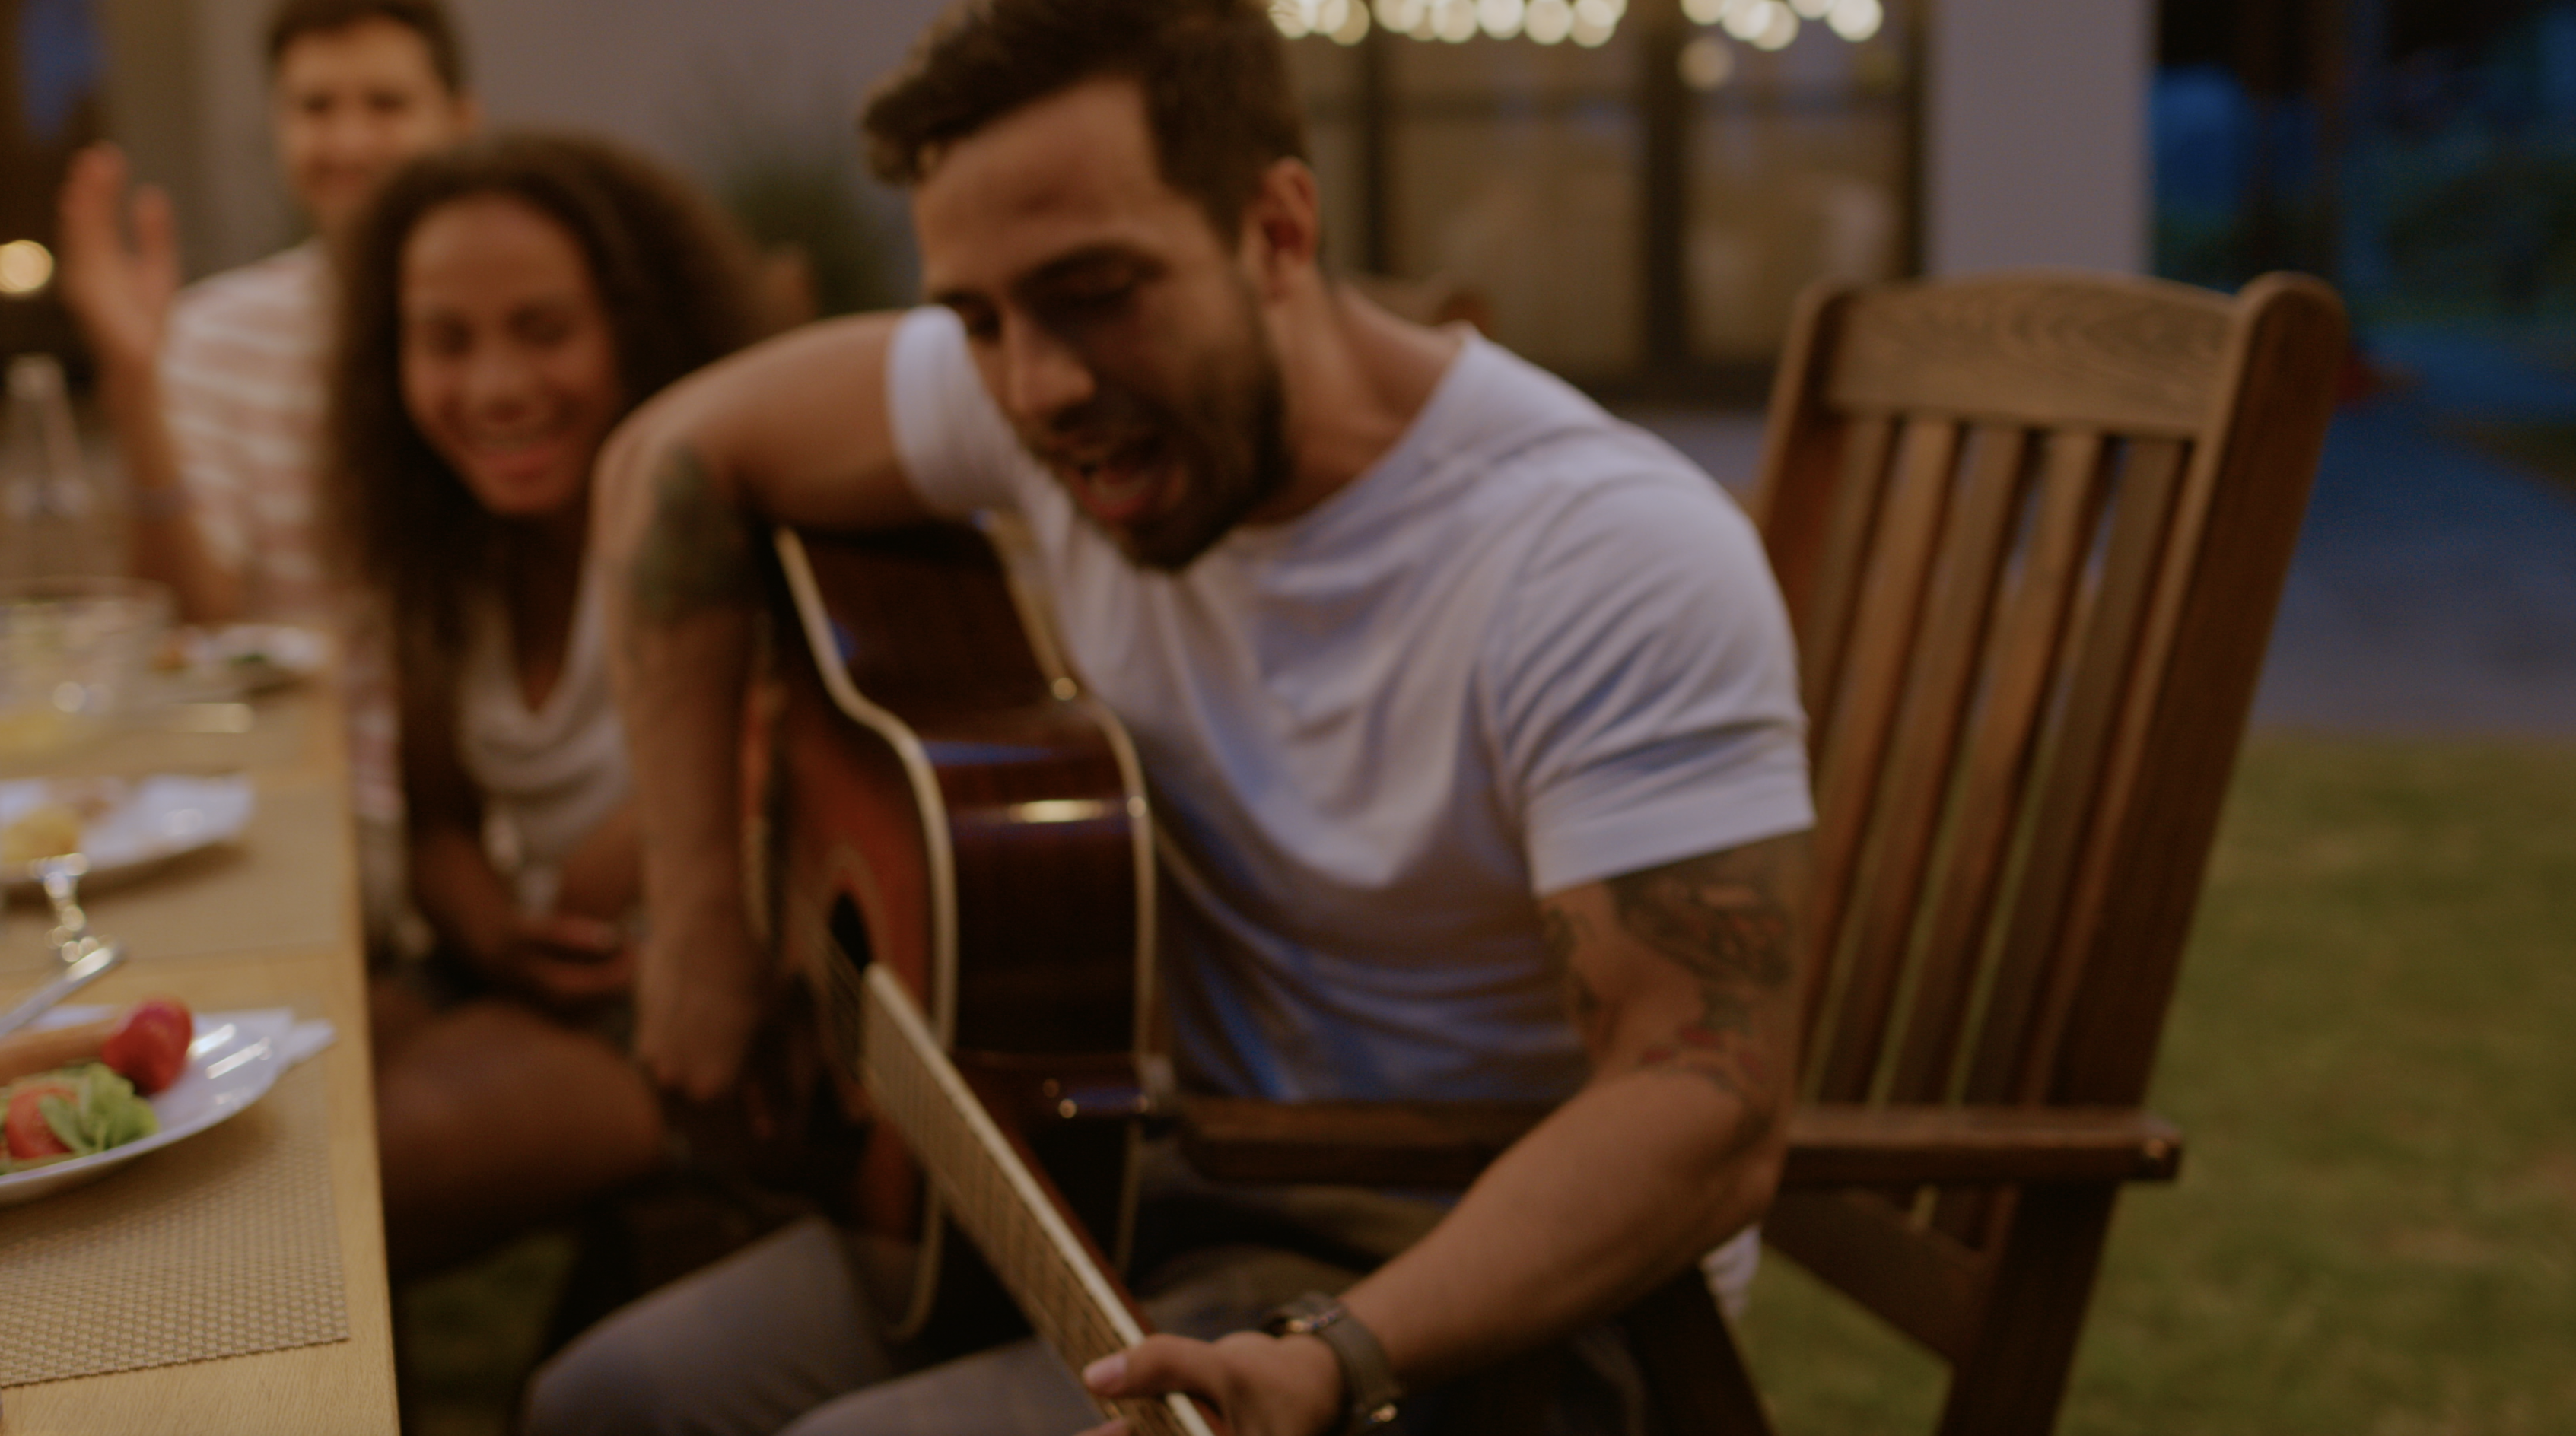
[117, 284]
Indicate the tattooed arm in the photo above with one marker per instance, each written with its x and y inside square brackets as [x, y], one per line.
[792, 431]
[1682, 980]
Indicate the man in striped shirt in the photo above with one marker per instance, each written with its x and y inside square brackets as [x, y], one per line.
[216, 395]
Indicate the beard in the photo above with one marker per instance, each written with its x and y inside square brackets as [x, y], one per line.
[1221, 442]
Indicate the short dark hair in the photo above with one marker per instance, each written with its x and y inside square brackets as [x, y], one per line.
[674, 279]
[1213, 73]
[292, 20]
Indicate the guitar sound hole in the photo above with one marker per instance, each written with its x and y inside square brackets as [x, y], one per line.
[847, 933]
[850, 933]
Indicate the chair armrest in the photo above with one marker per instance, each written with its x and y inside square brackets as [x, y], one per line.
[1445, 1144]
[1367, 1144]
[1852, 1145]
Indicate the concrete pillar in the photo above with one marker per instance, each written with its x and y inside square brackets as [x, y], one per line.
[2036, 147]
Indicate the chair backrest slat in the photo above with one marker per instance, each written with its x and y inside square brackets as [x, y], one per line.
[2029, 637]
[1940, 670]
[2075, 758]
[1867, 445]
[1869, 681]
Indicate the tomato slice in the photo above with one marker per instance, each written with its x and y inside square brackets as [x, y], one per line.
[30, 1136]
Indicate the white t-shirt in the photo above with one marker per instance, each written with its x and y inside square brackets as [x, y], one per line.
[1531, 647]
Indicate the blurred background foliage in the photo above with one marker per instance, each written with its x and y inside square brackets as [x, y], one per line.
[2420, 153]
[805, 198]
[786, 162]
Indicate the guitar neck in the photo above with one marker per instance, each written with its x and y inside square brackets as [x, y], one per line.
[993, 1194]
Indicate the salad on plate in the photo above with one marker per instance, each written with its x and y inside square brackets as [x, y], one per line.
[79, 1090]
[225, 1062]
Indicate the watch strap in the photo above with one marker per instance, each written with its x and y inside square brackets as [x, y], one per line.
[1369, 1387]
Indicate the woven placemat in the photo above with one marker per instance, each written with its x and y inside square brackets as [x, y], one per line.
[221, 1245]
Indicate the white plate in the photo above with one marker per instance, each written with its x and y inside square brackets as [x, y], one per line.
[129, 826]
[234, 1059]
[237, 659]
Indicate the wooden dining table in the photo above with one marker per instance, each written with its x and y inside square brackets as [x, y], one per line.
[265, 920]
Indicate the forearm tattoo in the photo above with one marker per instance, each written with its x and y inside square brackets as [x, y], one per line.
[1565, 933]
[697, 550]
[1726, 920]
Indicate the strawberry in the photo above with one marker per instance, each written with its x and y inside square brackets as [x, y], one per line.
[149, 1044]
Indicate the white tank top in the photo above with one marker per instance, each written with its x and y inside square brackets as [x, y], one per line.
[549, 775]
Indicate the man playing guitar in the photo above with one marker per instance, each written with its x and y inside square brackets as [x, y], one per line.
[1468, 714]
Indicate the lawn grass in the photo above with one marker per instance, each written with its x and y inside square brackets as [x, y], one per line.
[467, 1340]
[2371, 1056]
[2548, 450]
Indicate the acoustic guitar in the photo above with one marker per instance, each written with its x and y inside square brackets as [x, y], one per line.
[957, 856]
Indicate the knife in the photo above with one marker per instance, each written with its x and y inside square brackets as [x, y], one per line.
[75, 977]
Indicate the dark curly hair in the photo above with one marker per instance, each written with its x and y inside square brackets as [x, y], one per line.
[674, 280]
[1213, 72]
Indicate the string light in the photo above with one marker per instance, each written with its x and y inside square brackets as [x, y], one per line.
[1292, 18]
[26, 267]
[1763, 24]
[1855, 20]
[1707, 62]
[1595, 21]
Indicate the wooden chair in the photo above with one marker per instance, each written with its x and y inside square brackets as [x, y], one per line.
[2031, 530]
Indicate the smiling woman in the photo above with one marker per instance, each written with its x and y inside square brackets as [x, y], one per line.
[503, 306]
[508, 363]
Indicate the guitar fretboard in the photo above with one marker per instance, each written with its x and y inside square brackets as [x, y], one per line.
[979, 1175]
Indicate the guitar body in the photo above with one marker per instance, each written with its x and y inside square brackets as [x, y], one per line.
[942, 801]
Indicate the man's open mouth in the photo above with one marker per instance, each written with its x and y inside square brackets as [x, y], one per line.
[1120, 486]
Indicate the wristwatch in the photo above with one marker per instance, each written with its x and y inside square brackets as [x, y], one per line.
[1368, 1383]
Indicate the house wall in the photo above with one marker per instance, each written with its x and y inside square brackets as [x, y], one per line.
[689, 80]
[681, 77]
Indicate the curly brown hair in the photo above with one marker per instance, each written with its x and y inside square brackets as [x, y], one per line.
[1213, 72]
[674, 280]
